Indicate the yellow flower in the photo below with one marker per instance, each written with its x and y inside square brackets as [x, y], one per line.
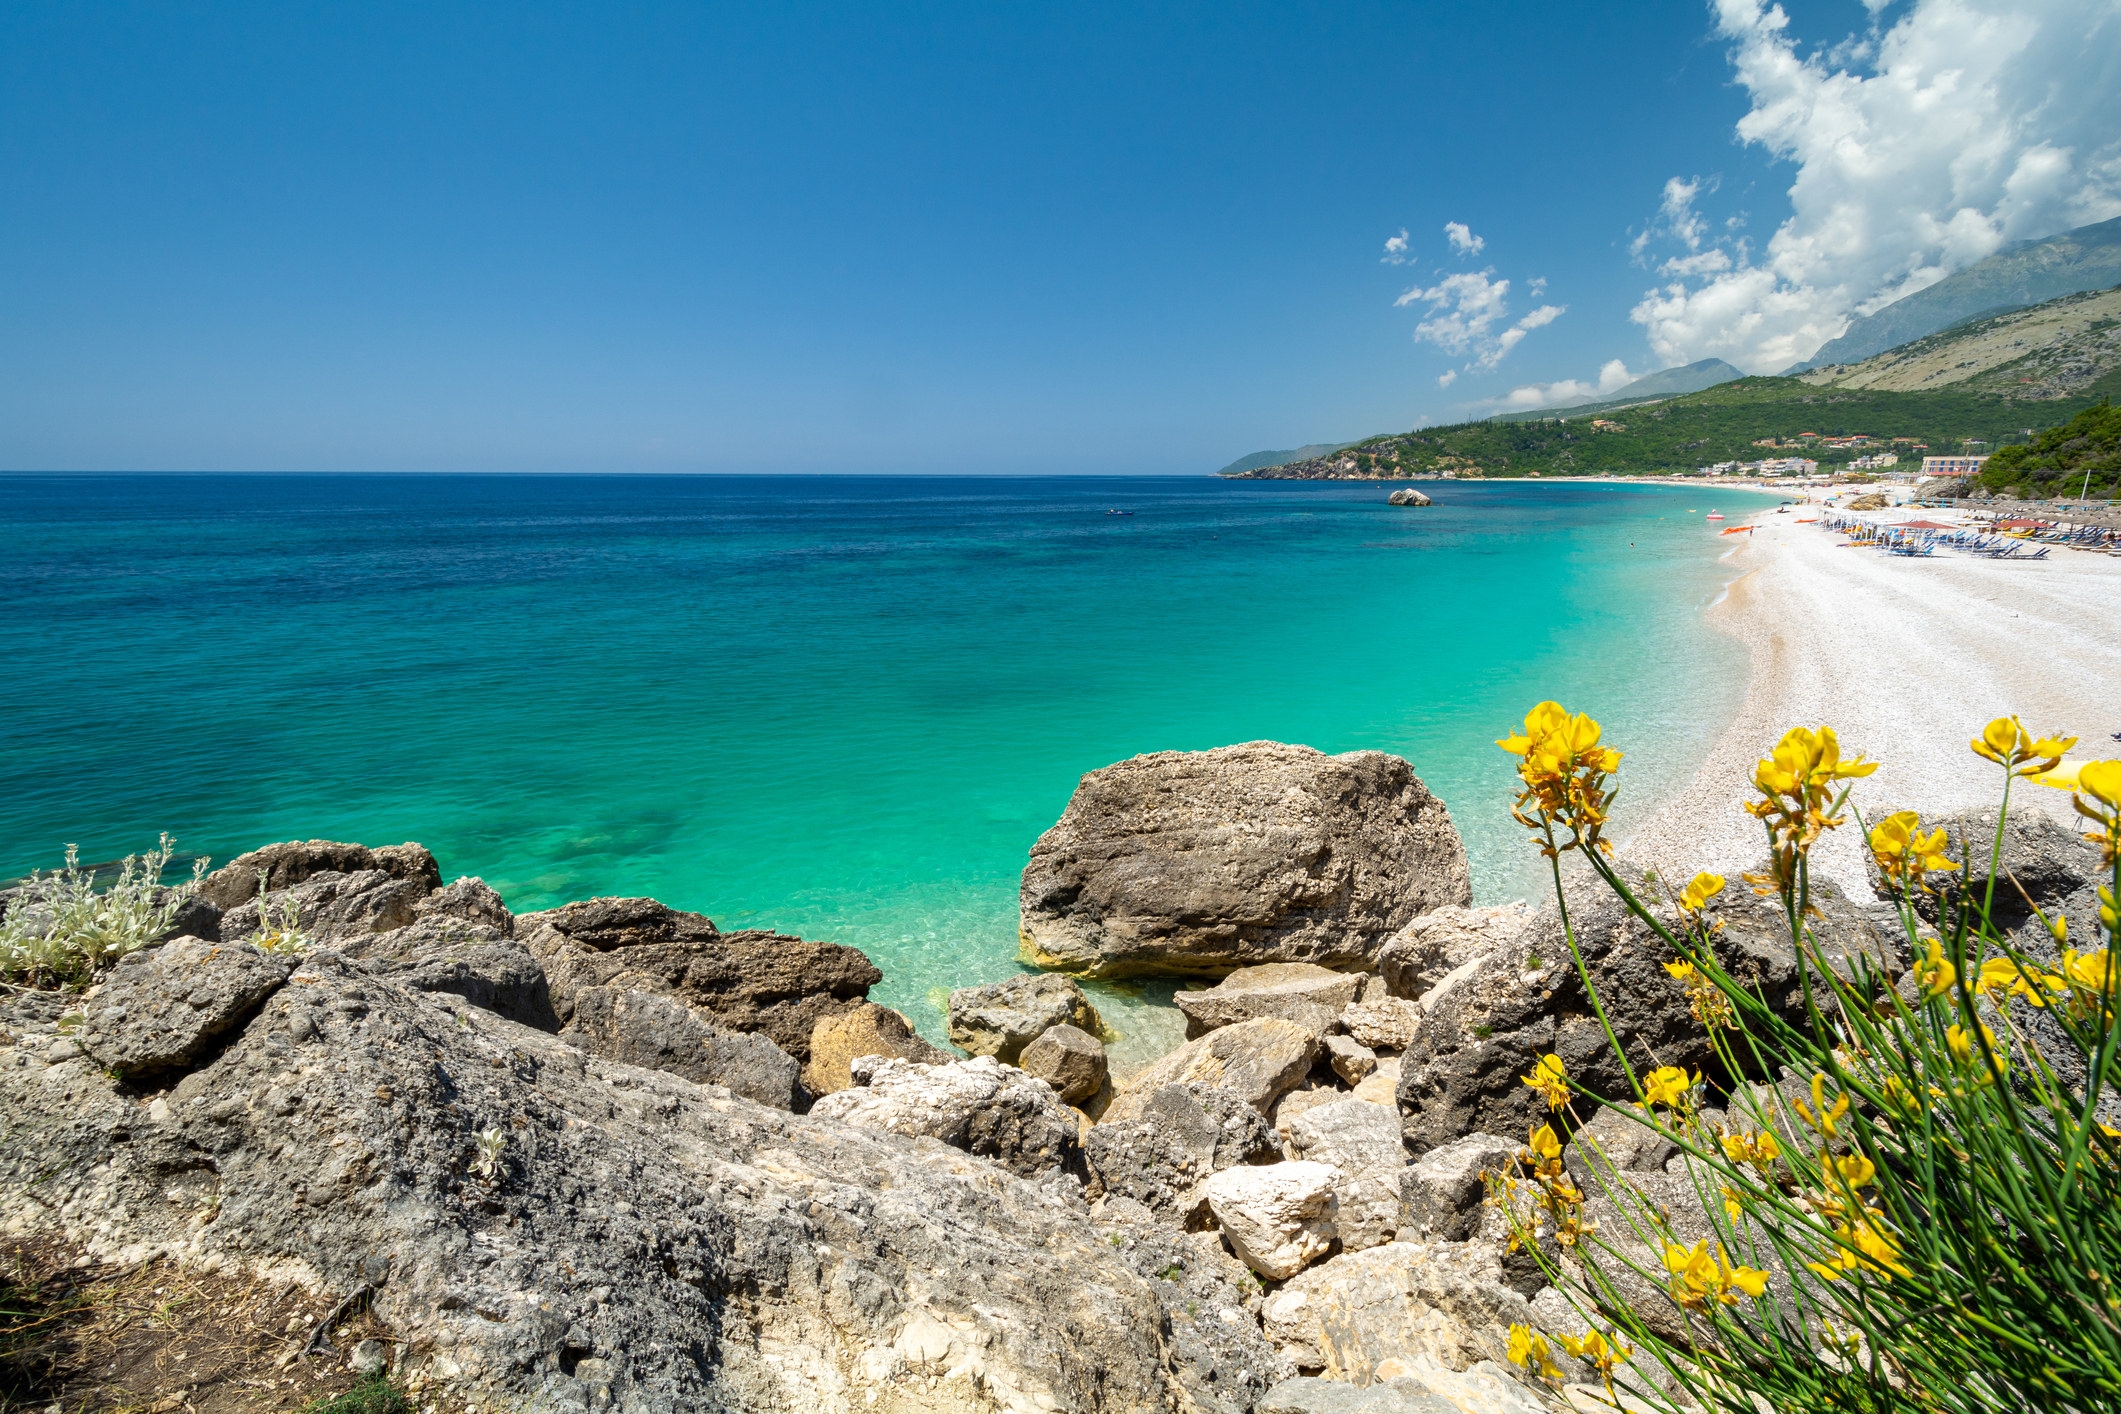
[1855, 1172]
[1698, 892]
[1595, 1350]
[2101, 780]
[1796, 785]
[1700, 1274]
[1668, 1085]
[1935, 972]
[1823, 1116]
[1530, 1352]
[2006, 742]
[1563, 768]
[1732, 1208]
[1550, 1078]
[1683, 971]
[1960, 1042]
[1545, 1144]
[1903, 853]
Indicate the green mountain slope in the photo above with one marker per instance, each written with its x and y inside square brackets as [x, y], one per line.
[1665, 383]
[1261, 459]
[2030, 272]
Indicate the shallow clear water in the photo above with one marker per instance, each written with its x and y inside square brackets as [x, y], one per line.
[839, 706]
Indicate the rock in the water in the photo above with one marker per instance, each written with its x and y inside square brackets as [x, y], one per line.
[839, 1040]
[1185, 1133]
[625, 1240]
[1408, 496]
[471, 900]
[979, 1105]
[1259, 1060]
[1410, 1302]
[330, 908]
[1351, 1060]
[295, 861]
[1277, 1218]
[662, 1033]
[1421, 954]
[1294, 991]
[160, 1008]
[1002, 1018]
[1307, 1394]
[1441, 1194]
[1199, 862]
[1389, 1022]
[1462, 1074]
[1069, 1059]
[1361, 1141]
[749, 981]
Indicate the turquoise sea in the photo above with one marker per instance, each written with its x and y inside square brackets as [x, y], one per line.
[838, 706]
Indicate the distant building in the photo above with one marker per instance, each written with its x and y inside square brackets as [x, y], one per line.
[1874, 460]
[1952, 466]
[1788, 466]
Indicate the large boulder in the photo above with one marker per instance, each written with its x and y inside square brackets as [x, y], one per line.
[1277, 1218]
[837, 1041]
[1200, 862]
[1408, 496]
[1258, 1060]
[748, 981]
[979, 1105]
[545, 1230]
[1404, 1302]
[1463, 1073]
[1185, 1132]
[292, 862]
[1423, 953]
[1294, 991]
[650, 1029]
[161, 1008]
[1002, 1018]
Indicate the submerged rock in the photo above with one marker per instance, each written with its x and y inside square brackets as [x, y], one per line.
[1200, 862]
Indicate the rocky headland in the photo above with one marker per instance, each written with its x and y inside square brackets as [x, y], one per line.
[611, 1157]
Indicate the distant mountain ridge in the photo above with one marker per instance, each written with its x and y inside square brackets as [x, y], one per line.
[1300, 454]
[2028, 272]
[1665, 383]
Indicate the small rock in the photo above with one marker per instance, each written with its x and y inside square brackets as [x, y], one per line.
[1069, 1059]
[1002, 1018]
[1260, 1060]
[1386, 1021]
[1300, 1102]
[1351, 1059]
[1278, 1218]
[368, 1358]
[1185, 1133]
[979, 1105]
[868, 1030]
[1294, 991]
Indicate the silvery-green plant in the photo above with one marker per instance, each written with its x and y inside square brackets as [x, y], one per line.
[489, 1144]
[279, 924]
[59, 931]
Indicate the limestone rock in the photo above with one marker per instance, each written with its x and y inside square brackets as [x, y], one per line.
[1361, 1141]
[686, 1248]
[1260, 1060]
[161, 1007]
[748, 981]
[979, 1105]
[1302, 992]
[1441, 1194]
[1388, 1022]
[331, 907]
[1351, 1060]
[472, 901]
[294, 861]
[1277, 1218]
[1419, 955]
[1069, 1059]
[1285, 1111]
[662, 1033]
[1410, 1302]
[1002, 1018]
[443, 953]
[1185, 1133]
[839, 1040]
[1307, 1394]
[1609, 1143]
[1408, 496]
[1195, 863]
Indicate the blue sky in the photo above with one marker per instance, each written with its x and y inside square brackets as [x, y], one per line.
[935, 237]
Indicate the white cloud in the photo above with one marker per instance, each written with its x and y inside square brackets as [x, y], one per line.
[1446, 378]
[1396, 248]
[1469, 314]
[1919, 150]
[1463, 241]
[1528, 397]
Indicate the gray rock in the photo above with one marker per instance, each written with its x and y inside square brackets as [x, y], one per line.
[1431, 1307]
[1195, 863]
[838, 1040]
[642, 1242]
[160, 1008]
[1224, 1361]
[1307, 1394]
[662, 1033]
[1608, 1143]
[368, 1358]
[1185, 1132]
[1277, 1218]
[1069, 1059]
[295, 861]
[1002, 1018]
[1260, 1060]
[1463, 1073]
[471, 900]
[1351, 1060]
[1408, 496]
[1387, 1022]
[1361, 1141]
[331, 908]
[441, 953]
[1294, 991]
[1284, 1112]
[1421, 954]
[979, 1105]
[749, 981]
[1441, 1194]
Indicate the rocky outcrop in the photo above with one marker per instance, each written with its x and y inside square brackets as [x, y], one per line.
[1408, 496]
[1002, 1018]
[330, 907]
[1259, 1061]
[546, 1230]
[980, 1105]
[1069, 1059]
[747, 981]
[662, 1033]
[1302, 992]
[837, 1041]
[293, 862]
[442, 953]
[1277, 1218]
[468, 900]
[1223, 1361]
[1198, 863]
[1184, 1133]
[160, 1008]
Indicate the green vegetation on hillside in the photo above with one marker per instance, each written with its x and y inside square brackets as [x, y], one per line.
[2062, 460]
[1719, 424]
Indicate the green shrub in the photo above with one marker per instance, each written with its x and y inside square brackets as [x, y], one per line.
[59, 931]
[374, 1394]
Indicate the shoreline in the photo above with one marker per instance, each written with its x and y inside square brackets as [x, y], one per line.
[1906, 659]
